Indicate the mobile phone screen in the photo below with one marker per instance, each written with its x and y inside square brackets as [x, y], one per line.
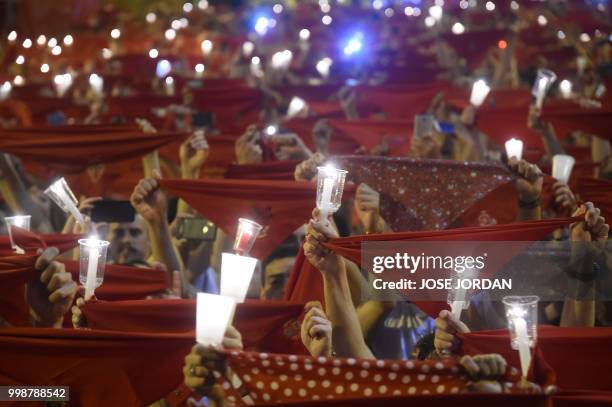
[113, 211]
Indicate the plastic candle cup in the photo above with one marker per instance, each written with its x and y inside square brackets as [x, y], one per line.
[514, 148]
[92, 263]
[62, 195]
[295, 106]
[566, 89]
[522, 315]
[97, 83]
[236, 274]
[330, 185]
[562, 167]
[543, 82]
[20, 221]
[458, 298]
[480, 90]
[246, 235]
[213, 315]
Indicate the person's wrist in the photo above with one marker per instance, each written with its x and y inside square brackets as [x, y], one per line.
[529, 201]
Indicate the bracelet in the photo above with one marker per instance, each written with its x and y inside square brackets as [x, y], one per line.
[529, 205]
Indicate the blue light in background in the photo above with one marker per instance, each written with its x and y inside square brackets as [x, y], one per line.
[354, 45]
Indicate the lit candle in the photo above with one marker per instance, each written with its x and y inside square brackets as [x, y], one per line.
[480, 90]
[62, 195]
[246, 235]
[20, 221]
[236, 274]
[562, 167]
[544, 80]
[92, 271]
[213, 315]
[522, 339]
[92, 263]
[295, 106]
[330, 184]
[514, 148]
[97, 83]
[566, 89]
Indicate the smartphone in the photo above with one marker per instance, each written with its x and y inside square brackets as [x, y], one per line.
[111, 211]
[203, 119]
[423, 124]
[445, 128]
[196, 229]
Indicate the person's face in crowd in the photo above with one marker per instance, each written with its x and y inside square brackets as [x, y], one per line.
[129, 242]
[275, 278]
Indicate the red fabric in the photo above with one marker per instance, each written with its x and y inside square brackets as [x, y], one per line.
[280, 206]
[17, 270]
[566, 119]
[234, 108]
[289, 378]
[408, 187]
[401, 101]
[102, 368]
[72, 149]
[30, 241]
[585, 367]
[268, 326]
[438, 400]
[125, 282]
[133, 107]
[371, 133]
[272, 170]
[305, 282]
[582, 398]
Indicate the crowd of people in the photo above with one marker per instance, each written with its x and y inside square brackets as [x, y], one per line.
[201, 113]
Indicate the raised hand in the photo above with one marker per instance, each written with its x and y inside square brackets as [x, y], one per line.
[316, 330]
[50, 295]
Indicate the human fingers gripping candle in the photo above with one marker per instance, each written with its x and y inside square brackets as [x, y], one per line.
[213, 315]
[562, 167]
[92, 263]
[330, 185]
[514, 148]
[522, 315]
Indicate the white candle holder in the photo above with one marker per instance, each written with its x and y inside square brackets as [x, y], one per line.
[565, 87]
[97, 83]
[92, 261]
[562, 166]
[20, 221]
[296, 105]
[236, 274]
[480, 90]
[543, 82]
[246, 235]
[62, 195]
[514, 148]
[330, 185]
[213, 316]
[522, 315]
[458, 298]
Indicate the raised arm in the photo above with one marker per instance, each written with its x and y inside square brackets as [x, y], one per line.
[348, 339]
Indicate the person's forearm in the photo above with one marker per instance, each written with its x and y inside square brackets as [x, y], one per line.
[150, 162]
[600, 150]
[370, 312]
[551, 143]
[347, 337]
[162, 248]
[579, 306]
